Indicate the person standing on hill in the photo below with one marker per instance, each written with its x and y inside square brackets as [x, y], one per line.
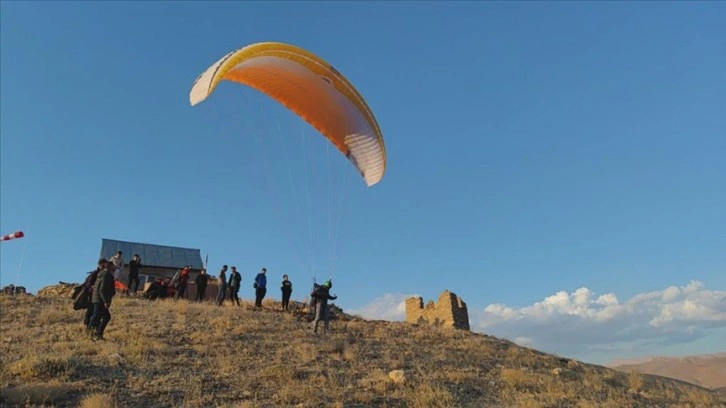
[235, 280]
[134, 266]
[322, 311]
[286, 288]
[118, 262]
[103, 291]
[222, 285]
[260, 286]
[181, 282]
[88, 287]
[201, 281]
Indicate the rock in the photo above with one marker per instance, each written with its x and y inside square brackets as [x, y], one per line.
[11, 290]
[62, 289]
[397, 376]
[556, 371]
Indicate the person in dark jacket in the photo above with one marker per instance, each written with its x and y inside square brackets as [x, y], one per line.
[222, 288]
[286, 288]
[260, 286]
[88, 287]
[201, 282]
[134, 267]
[103, 291]
[235, 280]
[322, 312]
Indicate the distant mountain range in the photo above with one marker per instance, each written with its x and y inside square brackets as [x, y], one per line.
[707, 370]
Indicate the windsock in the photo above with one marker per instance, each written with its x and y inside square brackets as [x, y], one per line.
[18, 234]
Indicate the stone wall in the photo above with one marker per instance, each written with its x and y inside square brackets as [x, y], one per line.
[448, 311]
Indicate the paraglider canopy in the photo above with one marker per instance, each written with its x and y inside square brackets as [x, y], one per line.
[311, 88]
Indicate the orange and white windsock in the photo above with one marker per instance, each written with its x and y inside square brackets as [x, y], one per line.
[18, 234]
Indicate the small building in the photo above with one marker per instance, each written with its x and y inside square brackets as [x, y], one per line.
[157, 261]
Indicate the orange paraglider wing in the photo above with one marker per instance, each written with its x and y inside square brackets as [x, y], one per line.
[312, 89]
[120, 285]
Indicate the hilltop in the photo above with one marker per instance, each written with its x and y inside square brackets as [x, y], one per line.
[708, 370]
[184, 354]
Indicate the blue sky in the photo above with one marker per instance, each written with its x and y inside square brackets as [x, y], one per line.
[533, 148]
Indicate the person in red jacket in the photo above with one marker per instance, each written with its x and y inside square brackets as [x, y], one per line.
[181, 285]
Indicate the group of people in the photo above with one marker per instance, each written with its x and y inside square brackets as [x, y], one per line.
[100, 286]
[134, 266]
[228, 288]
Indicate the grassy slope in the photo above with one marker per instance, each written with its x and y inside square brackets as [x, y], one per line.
[179, 353]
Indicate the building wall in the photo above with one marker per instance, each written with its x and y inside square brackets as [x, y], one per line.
[449, 311]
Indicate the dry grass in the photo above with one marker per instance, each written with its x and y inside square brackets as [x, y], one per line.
[185, 354]
[35, 394]
[98, 401]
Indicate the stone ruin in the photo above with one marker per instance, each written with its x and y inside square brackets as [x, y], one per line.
[449, 311]
[14, 290]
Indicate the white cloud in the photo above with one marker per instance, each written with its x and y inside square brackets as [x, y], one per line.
[391, 306]
[582, 322]
[524, 341]
[585, 324]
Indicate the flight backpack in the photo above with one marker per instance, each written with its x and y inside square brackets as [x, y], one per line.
[315, 295]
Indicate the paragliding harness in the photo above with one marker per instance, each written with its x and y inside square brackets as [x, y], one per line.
[315, 295]
[82, 293]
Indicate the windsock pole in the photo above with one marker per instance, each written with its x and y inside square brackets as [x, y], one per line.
[15, 235]
[20, 267]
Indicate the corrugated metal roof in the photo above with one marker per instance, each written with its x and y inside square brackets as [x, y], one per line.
[153, 255]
